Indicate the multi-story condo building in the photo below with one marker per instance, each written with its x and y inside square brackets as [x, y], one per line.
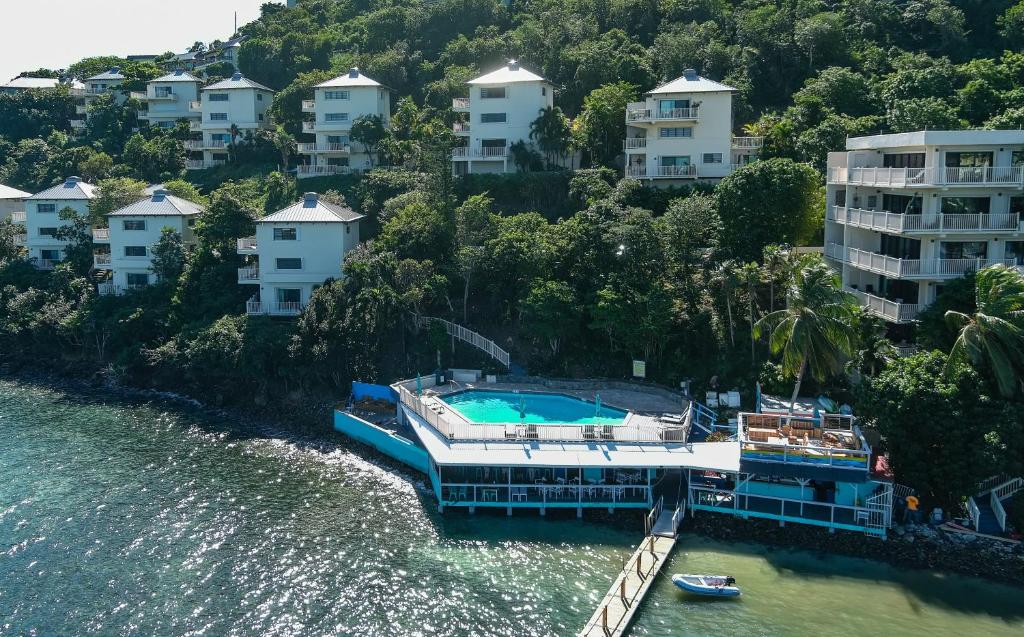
[907, 212]
[42, 212]
[501, 106]
[336, 104]
[229, 109]
[683, 130]
[294, 251]
[131, 234]
[106, 82]
[169, 98]
[21, 84]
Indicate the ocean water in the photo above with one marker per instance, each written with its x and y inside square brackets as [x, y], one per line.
[130, 517]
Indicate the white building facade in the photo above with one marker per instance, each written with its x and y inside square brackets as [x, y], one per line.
[906, 213]
[294, 251]
[42, 219]
[336, 104]
[501, 106]
[683, 130]
[169, 98]
[235, 102]
[132, 233]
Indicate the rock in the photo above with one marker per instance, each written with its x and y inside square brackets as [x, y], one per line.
[909, 539]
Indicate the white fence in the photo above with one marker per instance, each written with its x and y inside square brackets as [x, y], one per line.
[469, 336]
[889, 310]
[885, 221]
[935, 175]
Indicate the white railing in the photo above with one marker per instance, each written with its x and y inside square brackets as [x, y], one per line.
[45, 264]
[273, 309]
[20, 239]
[101, 234]
[308, 106]
[468, 336]
[783, 452]
[437, 415]
[747, 143]
[485, 152]
[215, 143]
[981, 175]
[974, 513]
[885, 221]
[101, 260]
[460, 103]
[78, 123]
[871, 517]
[894, 311]
[324, 148]
[306, 170]
[460, 127]
[81, 109]
[654, 114]
[192, 144]
[634, 142]
[195, 106]
[470, 493]
[998, 494]
[156, 97]
[676, 171]
[308, 127]
[109, 289]
[199, 164]
[195, 126]
[141, 114]
[137, 95]
[251, 273]
[968, 175]
[246, 244]
[19, 217]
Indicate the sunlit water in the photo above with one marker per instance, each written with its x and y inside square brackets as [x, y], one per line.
[132, 518]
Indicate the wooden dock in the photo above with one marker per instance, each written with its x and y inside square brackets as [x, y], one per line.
[620, 603]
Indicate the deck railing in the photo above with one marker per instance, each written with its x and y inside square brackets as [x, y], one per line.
[885, 221]
[935, 175]
[460, 103]
[889, 310]
[469, 336]
[101, 234]
[997, 495]
[909, 268]
[251, 273]
[974, 513]
[471, 493]
[817, 454]
[873, 518]
[274, 308]
[246, 244]
[747, 143]
[19, 217]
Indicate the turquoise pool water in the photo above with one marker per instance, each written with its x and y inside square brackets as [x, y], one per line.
[485, 406]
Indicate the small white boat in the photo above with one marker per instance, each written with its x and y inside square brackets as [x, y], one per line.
[708, 585]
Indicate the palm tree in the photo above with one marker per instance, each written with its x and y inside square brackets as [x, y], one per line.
[750, 275]
[552, 132]
[815, 330]
[725, 275]
[994, 333]
[285, 144]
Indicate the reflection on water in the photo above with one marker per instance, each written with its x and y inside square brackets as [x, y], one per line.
[121, 517]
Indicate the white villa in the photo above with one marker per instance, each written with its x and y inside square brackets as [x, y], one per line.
[907, 212]
[107, 82]
[294, 251]
[237, 102]
[683, 130]
[336, 104]
[501, 106]
[42, 219]
[168, 99]
[21, 84]
[12, 204]
[133, 231]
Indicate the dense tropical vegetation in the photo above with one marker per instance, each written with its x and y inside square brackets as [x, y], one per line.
[575, 272]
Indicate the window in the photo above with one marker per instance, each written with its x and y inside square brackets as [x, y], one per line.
[217, 97]
[1017, 205]
[902, 204]
[712, 158]
[683, 160]
[134, 279]
[1017, 158]
[46, 207]
[220, 137]
[348, 229]
[218, 117]
[670, 105]
[968, 160]
[966, 205]
[492, 118]
[289, 295]
[900, 247]
[337, 139]
[497, 92]
[135, 251]
[47, 232]
[963, 250]
[337, 161]
[543, 90]
[872, 201]
[163, 91]
[336, 95]
[336, 117]
[676, 131]
[289, 263]
[260, 117]
[1015, 251]
[134, 224]
[49, 255]
[903, 160]
[285, 234]
[840, 198]
[259, 97]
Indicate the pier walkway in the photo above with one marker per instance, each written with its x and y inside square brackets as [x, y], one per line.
[620, 603]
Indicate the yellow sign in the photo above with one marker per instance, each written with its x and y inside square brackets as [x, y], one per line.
[640, 369]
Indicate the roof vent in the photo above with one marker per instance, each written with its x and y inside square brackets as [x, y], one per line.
[690, 74]
[115, 70]
[513, 65]
[310, 199]
[178, 72]
[236, 76]
[353, 72]
[71, 181]
[159, 194]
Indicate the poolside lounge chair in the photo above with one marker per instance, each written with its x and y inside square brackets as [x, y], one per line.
[589, 432]
[608, 432]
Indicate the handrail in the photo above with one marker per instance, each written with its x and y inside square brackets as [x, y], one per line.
[469, 336]
[876, 508]
[997, 494]
[973, 512]
[997, 509]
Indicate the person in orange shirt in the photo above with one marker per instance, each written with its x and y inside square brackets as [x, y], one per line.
[912, 515]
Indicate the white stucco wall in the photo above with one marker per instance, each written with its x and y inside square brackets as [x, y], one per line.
[121, 264]
[321, 246]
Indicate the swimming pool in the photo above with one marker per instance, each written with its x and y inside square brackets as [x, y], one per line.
[484, 406]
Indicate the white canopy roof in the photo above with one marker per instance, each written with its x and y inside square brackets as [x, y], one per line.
[508, 74]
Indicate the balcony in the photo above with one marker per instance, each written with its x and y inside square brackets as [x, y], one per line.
[460, 104]
[747, 143]
[487, 152]
[307, 170]
[633, 143]
[830, 440]
[45, 264]
[195, 106]
[142, 114]
[460, 128]
[78, 124]
[909, 268]
[884, 221]
[308, 127]
[273, 309]
[195, 127]
[138, 95]
[247, 245]
[165, 97]
[250, 274]
[930, 176]
[661, 172]
[193, 144]
[308, 106]
[101, 261]
[892, 311]
[101, 235]
[81, 109]
[199, 164]
[20, 239]
[19, 217]
[332, 149]
[639, 112]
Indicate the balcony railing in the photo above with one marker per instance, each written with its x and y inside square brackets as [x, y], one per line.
[81, 109]
[20, 239]
[935, 175]
[249, 274]
[101, 261]
[661, 172]
[831, 439]
[486, 152]
[324, 148]
[634, 142]
[885, 221]
[78, 124]
[137, 95]
[246, 244]
[101, 234]
[308, 127]
[308, 106]
[306, 170]
[142, 114]
[193, 144]
[656, 114]
[199, 164]
[747, 143]
[45, 264]
[19, 217]
[460, 103]
[893, 311]
[460, 127]
[910, 268]
[195, 127]
[195, 106]
[107, 288]
[273, 309]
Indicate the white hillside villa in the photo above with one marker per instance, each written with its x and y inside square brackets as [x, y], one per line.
[21, 84]
[237, 104]
[501, 106]
[107, 82]
[168, 99]
[336, 104]
[907, 212]
[683, 130]
[294, 251]
[133, 231]
[42, 219]
[12, 204]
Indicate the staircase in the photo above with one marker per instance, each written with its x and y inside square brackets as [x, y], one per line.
[986, 522]
[466, 335]
[987, 511]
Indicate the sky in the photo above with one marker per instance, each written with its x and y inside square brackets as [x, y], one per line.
[56, 33]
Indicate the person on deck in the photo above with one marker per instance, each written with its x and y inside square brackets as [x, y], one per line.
[912, 515]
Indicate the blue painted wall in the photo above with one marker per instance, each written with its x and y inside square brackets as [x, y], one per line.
[369, 390]
[397, 447]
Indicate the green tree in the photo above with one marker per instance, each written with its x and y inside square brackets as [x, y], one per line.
[369, 131]
[168, 256]
[553, 134]
[76, 232]
[602, 125]
[815, 330]
[113, 194]
[551, 313]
